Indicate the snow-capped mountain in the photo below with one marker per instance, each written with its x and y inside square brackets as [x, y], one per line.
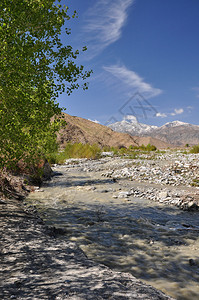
[176, 123]
[131, 125]
[177, 133]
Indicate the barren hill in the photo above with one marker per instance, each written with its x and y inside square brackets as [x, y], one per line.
[178, 135]
[145, 140]
[84, 131]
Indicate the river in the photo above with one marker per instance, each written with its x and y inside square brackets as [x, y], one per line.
[156, 243]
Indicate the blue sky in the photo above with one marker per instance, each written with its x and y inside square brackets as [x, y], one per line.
[144, 56]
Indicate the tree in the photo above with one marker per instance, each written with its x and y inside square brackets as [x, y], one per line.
[35, 67]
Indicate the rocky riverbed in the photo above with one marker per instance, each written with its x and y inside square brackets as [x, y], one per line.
[108, 220]
[171, 177]
[135, 225]
[36, 263]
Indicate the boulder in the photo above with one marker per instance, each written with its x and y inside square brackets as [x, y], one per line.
[163, 195]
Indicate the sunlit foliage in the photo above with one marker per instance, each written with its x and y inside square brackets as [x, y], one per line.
[35, 67]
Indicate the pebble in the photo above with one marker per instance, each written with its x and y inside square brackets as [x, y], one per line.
[169, 169]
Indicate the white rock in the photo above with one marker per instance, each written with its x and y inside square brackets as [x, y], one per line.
[163, 194]
[124, 194]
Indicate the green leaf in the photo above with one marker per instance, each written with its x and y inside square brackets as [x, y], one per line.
[34, 69]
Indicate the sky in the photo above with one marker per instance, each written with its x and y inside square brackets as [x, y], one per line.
[144, 56]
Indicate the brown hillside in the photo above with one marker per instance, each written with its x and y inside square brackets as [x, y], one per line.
[79, 130]
[153, 141]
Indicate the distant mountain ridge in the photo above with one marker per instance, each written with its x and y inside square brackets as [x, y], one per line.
[176, 133]
[176, 123]
[79, 130]
[132, 126]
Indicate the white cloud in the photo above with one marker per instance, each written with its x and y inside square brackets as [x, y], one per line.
[177, 111]
[104, 23]
[133, 81]
[161, 115]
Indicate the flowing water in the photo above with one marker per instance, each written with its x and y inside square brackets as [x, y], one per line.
[156, 243]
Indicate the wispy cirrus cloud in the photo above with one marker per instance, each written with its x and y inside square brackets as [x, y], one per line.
[133, 81]
[104, 23]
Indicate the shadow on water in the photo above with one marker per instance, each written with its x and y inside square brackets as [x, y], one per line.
[34, 266]
[144, 242]
[77, 181]
[153, 242]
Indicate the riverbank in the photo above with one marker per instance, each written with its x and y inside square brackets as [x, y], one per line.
[130, 224]
[169, 177]
[95, 205]
[36, 263]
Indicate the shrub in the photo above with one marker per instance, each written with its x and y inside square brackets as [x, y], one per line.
[195, 182]
[77, 150]
[195, 149]
[150, 147]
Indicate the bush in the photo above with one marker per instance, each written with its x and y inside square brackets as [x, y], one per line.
[195, 149]
[79, 150]
[195, 182]
[76, 150]
[150, 147]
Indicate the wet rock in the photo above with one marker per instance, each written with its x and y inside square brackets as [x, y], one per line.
[105, 190]
[47, 171]
[192, 262]
[190, 206]
[189, 203]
